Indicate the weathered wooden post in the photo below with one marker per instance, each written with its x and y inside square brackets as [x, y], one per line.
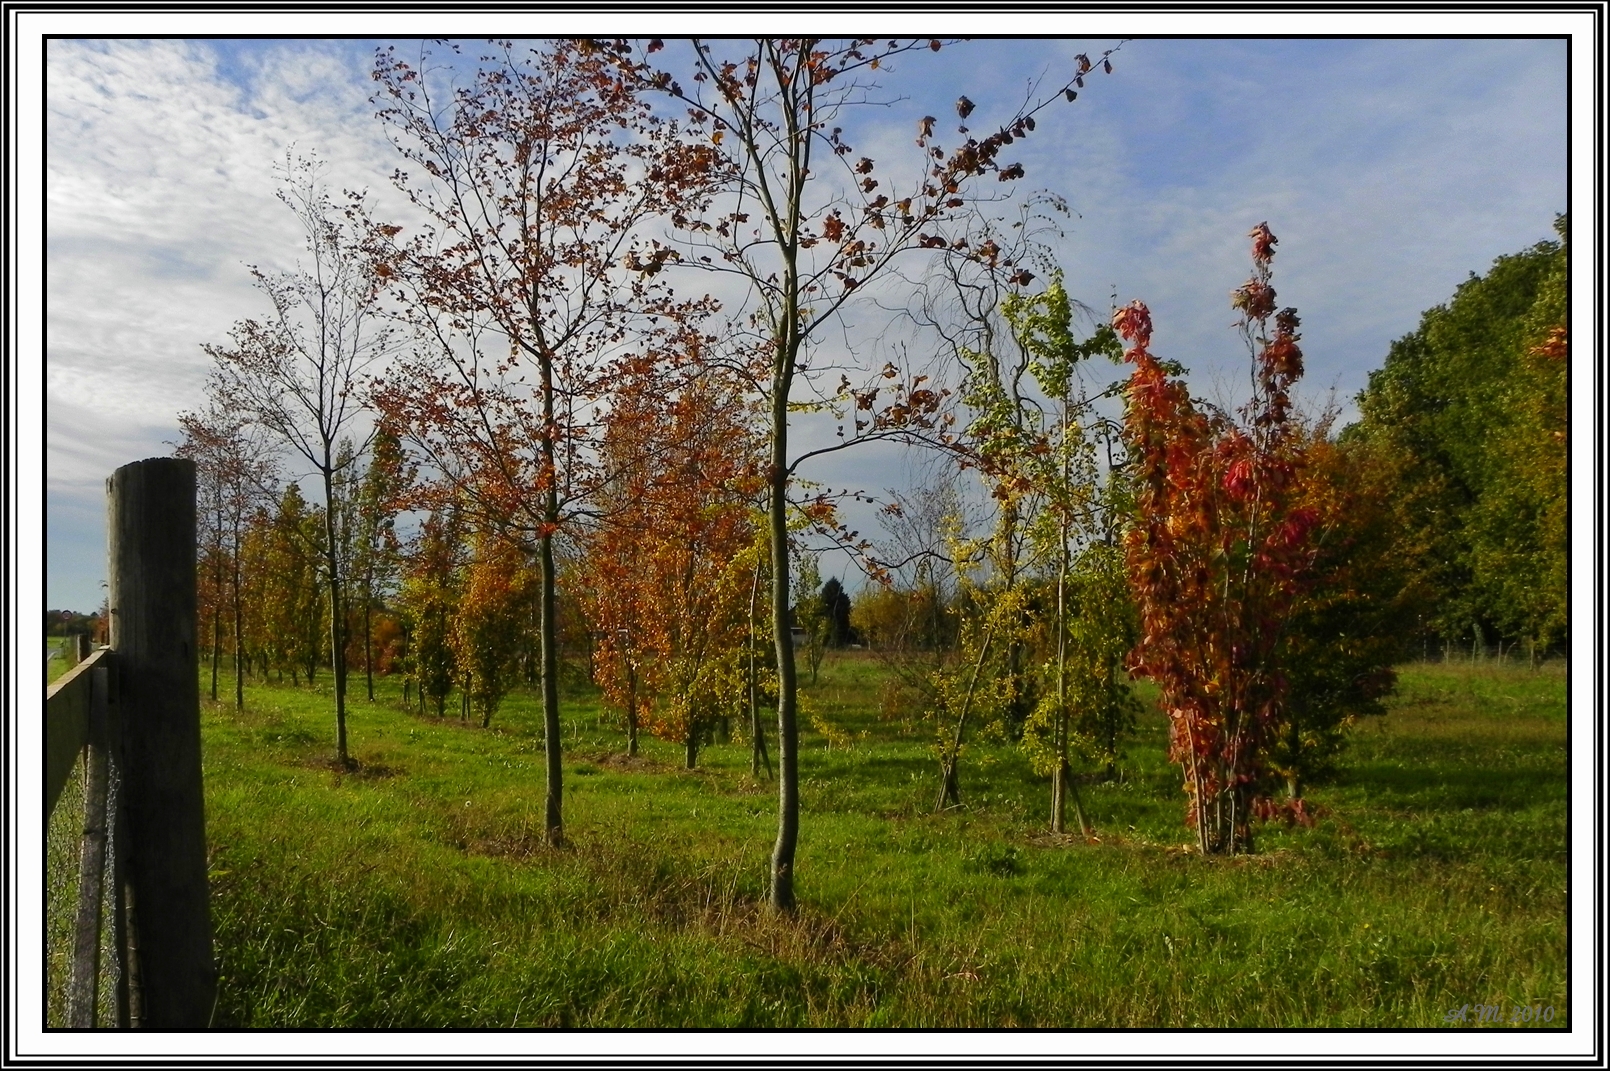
[151, 525]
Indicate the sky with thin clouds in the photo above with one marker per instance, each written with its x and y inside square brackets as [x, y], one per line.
[1389, 168]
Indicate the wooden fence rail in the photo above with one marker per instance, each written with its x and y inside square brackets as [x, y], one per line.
[133, 712]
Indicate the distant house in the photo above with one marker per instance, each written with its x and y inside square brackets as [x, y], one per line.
[801, 637]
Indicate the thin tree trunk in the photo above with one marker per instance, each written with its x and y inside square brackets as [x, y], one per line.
[368, 640]
[240, 646]
[631, 709]
[757, 731]
[338, 659]
[950, 788]
[1059, 775]
[782, 856]
[217, 614]
[550, 615]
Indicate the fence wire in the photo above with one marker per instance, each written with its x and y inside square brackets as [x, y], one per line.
[64, 836]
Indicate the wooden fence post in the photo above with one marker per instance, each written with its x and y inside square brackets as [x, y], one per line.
[151, 527]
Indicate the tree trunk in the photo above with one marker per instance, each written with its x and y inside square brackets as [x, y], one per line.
[950, 784]
[217, 618]
[631, 709]
[338, 653]
[240, 646]
[757, 731]
[782, 856]
[550, 694]
[1059, 775]
[1059, 807]
[550, 615]
[368, 642]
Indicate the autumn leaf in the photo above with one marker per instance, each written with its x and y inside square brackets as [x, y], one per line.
[964, 107]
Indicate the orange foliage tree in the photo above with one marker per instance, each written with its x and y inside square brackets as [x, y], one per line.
[672, 560]
[487, 633]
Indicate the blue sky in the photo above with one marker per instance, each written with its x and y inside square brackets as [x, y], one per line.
[1390, 169]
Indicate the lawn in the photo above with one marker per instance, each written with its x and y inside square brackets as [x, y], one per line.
[418, 891]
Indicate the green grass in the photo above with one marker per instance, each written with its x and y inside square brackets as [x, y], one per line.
[57, 663]
[418, 892]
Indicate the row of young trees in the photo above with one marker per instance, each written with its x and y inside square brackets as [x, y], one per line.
[566, 435]
[1242, 561]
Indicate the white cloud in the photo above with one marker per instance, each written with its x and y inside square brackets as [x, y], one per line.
[160, 189]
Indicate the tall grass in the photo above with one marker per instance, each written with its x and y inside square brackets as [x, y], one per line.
[418, 891]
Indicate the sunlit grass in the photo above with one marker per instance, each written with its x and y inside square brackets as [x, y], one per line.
[418, 890]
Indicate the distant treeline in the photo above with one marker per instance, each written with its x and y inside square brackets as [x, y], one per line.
[71, 623]
[1467, 426]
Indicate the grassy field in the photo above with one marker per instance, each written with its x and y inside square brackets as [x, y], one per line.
[56, 663]
[418, 892]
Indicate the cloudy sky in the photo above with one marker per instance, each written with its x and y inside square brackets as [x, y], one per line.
[1389, 168]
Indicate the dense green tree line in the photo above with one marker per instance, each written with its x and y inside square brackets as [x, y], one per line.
[1466, 420]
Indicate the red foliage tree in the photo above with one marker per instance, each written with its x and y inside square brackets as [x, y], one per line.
[1217, 554]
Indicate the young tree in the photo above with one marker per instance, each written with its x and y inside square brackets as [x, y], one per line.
[1076, 532]
[1217, 554]
[537, 180]
[374, 509]
[236, 476]
[288, 585]
[430, 596]
[298, 373]
[810, 611]
[677, 547]
[836, 614]
[803, 229]
[486, 635]
[1341, 636]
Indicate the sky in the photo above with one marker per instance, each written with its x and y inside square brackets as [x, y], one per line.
[1390, 169]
